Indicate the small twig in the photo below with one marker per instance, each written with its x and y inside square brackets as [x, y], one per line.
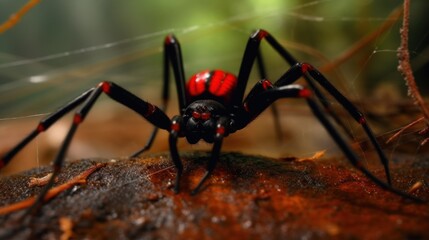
[398, 133]
[42, 181]
[365, 41]
[416, 186]
[404, 66]
[316, 156]
[80, 179]
[14, 18]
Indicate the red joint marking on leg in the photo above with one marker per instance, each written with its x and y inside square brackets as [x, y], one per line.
[220, 130]
[105, 86]
[77, 119]
[262, 34]
[246, 107]
[175, 126]
[266, 84]
[305, 67]
[362, 120]
[40, 127]
[169, 39]
[150, 110]
[304, 93]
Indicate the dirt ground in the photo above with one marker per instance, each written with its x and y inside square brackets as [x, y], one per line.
[247, 197]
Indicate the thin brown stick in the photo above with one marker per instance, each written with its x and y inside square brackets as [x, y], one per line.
[398, 133]
[365, 41]
[80, 179]
[14, 18]
[416, 186]
[404, 66]
[42, 181]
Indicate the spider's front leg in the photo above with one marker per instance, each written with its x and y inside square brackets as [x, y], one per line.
[176, 128]
[220, 132]
[150, 112]
[176, 132]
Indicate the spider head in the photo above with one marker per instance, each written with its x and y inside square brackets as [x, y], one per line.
[200, 120]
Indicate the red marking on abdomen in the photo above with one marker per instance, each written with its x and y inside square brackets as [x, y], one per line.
[222, 83]
[197, 83]
[215, 83]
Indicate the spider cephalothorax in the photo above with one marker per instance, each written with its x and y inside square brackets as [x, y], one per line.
[200, 120]
[213, 105]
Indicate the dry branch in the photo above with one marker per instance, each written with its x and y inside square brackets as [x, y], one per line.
[80, 179]
[405, 66]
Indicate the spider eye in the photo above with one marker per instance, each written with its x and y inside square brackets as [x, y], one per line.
[205, 115]
[196, 115]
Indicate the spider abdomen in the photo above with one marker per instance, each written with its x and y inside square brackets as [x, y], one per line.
[217, 84]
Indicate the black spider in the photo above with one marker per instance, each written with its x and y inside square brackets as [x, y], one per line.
[212, 106]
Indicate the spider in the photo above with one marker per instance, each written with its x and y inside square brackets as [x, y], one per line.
[212, 105]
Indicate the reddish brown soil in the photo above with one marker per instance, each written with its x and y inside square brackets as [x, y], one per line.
[247, 197]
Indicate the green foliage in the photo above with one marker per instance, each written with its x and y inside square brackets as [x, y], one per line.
[75, 35]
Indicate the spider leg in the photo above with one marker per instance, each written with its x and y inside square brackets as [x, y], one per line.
[258, 102]
[354, 160]
[148, 144]
[217, 144]
[176, 125]
[150, 112]
[274, 109]
[175, 132]
[173, 56]
[44, 125]
[311, 74]
[252, 52]
[297, 70]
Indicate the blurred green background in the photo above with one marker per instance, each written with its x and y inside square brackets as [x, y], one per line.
[60, 48]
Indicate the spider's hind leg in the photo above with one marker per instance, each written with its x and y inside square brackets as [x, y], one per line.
[351, 156]
[312, 75]
[257, 103]
[259, 99]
